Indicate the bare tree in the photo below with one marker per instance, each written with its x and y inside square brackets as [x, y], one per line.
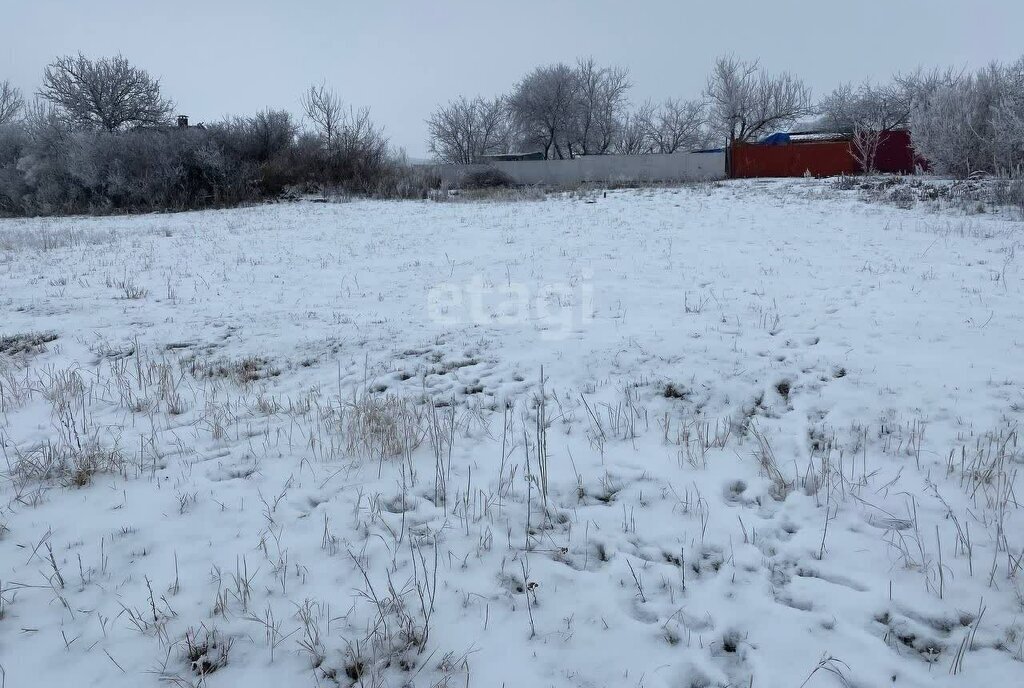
[351, 149]
[11, 102]
[259, 138]
[463, 129]
[747, 102]
[108, 93]
[868, 112]
[675, 125]
[632, 138]
[46, 128]
[866, 139]
[601, 100]
[885, 107]
[325, 109]
[611, 107]
[360, 138]
[542, 105]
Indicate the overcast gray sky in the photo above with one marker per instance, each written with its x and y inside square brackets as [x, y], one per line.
[402, 58]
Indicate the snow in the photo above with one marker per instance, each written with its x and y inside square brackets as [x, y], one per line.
[780, 428]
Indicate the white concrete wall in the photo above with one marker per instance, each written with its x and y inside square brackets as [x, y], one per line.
[675, 167]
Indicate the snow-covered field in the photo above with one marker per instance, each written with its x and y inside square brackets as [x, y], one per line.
[750, 434]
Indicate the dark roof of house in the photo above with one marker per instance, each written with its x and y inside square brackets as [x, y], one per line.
[510, 157]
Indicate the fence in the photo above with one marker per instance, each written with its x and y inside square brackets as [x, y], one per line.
[604, 169]
[821, 159]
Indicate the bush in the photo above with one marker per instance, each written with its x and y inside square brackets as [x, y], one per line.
[486, 178]
[46, 168]
[1009, 192]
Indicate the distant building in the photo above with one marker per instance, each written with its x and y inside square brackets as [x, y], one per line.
[183, 123]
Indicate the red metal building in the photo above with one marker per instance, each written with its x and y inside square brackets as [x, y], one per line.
[896, 155]
[821, 155]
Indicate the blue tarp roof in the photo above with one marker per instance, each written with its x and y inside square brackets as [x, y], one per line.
[778, 138]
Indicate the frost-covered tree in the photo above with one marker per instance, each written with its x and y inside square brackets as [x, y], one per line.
[543, 107]
[885, 106]
[568, 111]
[11, 102]
[108, 93]
[973, 123]
[868, 112]
[462, 130]
[598, 108]
[746, 101]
